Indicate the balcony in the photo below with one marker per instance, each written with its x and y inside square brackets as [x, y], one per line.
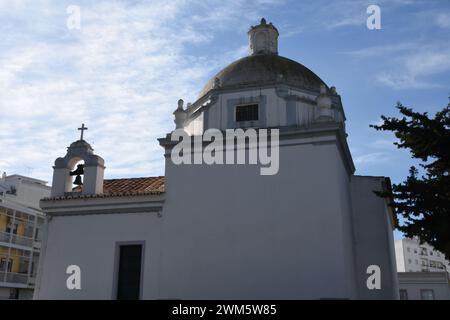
[4, 237]
[15, 239]
[37, 245]
[11, 277]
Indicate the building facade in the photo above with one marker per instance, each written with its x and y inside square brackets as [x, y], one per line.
[21, 222]
[424, 285]
[311, 230]
[412, 256]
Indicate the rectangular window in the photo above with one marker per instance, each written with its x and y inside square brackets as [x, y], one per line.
[403, 294]
[129, 273]
[12, 228]
[427, 294]
[4, 265]
[247, 113]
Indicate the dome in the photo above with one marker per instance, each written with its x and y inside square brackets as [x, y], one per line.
[264, 66]
[264, 69]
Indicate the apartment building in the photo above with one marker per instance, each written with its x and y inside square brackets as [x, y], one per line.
[424, 285]
[21, 223]
[412, 256]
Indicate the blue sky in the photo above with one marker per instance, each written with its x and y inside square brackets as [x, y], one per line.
[123, 71]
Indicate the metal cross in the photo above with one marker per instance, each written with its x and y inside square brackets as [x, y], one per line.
[82, 130]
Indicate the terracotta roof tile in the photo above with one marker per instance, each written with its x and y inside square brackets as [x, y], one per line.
[121, 187]
[134, 185]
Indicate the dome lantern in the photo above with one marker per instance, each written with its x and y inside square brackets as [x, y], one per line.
[263, 38]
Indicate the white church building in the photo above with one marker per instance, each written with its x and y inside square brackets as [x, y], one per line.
[313, 230]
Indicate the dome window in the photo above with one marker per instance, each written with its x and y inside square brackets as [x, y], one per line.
[248, 112]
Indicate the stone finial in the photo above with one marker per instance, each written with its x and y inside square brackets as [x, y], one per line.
[180, 104]
[263, 38]
[217, 83]
[333, 91]
[323, 100]
[180, 115]
[4, 175]
[323, 89]
[324, 104]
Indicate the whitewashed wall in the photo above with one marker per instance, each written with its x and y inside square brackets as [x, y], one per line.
[230, 233]
[89, 241]
[374, 242]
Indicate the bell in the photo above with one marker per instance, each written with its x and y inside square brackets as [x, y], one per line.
[80, 170]
[78, 181]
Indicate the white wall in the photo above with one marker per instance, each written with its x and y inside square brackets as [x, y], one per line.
[413, 282]
[373, 238]
[399, 256]
[89, 241]
[231, 233]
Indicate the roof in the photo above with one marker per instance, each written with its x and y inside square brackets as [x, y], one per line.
[121, 188]
[134, 185]
[264, 69]
[20, 177]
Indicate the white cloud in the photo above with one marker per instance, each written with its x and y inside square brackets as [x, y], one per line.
[371, 158]
[380, 50]
[429, 61]
[416, 67]
[386, 144]
[413, 64]
[407, 81]
[331, 15]
[121, 74]
[408, 65]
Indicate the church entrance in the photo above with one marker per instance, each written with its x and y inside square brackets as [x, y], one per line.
[129, 273]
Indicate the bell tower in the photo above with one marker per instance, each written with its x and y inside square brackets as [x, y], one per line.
[92, 170]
